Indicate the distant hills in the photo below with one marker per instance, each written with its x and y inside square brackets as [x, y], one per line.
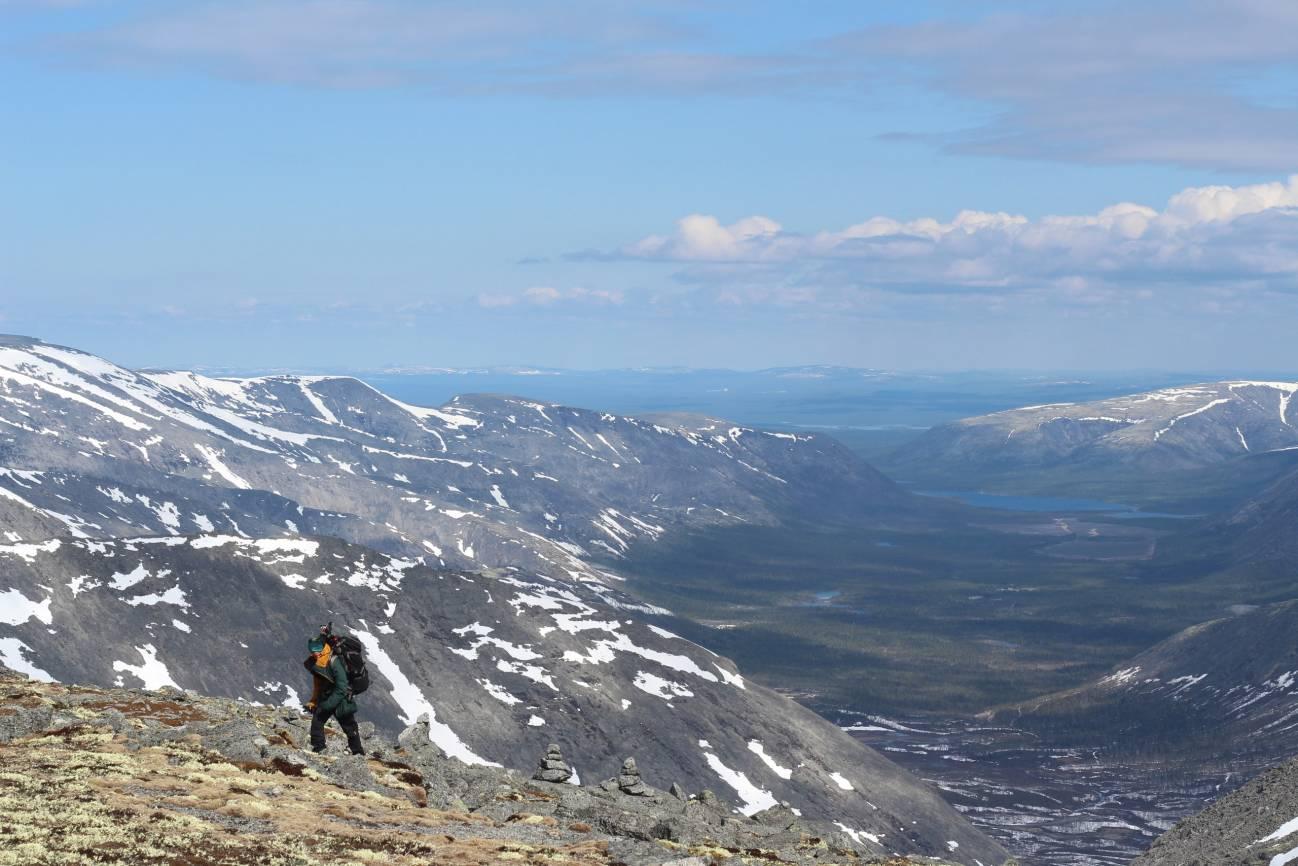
[1168, 435]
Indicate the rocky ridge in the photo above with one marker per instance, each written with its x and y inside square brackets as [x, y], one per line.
[1253, 825]
[123, 776]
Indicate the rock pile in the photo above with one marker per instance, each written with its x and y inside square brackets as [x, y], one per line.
[629, 781]
[553, 768]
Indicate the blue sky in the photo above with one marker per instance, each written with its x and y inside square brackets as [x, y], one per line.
[356, 183]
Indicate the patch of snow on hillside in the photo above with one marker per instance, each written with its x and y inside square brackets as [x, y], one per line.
[1172, 423]
[314, 399]
[29, 552]
[535, 673]
[214, 461]
[13, 655]
[174, 596]
[841, 781]
[153, 673]
[1288, 828]
[1122, 677]
[659, 687]
[1287, 857]
[754, 799]
[16, 609]
[413, 704]
[498, 692]
[756, 747]
[857, 835]
[120, 581]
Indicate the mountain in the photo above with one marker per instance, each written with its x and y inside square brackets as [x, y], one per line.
[1253, 825]
[171, 529]
[1262, 527]
[152, 778]
[1159, 431]
[484, 480]
[1223, 693]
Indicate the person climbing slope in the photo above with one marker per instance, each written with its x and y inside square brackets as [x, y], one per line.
[332, 694]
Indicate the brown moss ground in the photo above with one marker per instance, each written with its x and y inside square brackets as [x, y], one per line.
[78, 796]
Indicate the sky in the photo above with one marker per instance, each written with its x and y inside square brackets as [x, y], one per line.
[932, 184]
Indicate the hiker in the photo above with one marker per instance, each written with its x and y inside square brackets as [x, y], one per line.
[331, 694]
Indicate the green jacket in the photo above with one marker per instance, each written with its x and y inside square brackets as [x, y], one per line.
[334, 694]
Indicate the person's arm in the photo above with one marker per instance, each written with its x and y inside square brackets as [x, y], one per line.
[315, 693]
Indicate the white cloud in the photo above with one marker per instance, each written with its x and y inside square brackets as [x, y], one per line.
[1242, 237]
[548, 296]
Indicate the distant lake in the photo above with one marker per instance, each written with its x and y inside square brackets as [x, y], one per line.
[1010, 502]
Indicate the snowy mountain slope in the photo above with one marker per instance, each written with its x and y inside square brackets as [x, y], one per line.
[93, 449]
[167, 528]
[1172, 428]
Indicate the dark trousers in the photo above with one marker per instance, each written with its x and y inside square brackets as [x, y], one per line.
[347, 723]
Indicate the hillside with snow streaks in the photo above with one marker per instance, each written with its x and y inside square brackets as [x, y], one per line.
[1172, 428]
[1232, 680]
[150, 523]
[91, 449]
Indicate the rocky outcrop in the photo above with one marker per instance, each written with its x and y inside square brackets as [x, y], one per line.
[1257, 824]
[168, 776]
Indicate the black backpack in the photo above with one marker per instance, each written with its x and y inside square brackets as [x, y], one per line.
[352, 652]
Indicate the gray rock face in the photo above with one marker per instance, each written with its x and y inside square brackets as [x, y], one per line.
[190, 532]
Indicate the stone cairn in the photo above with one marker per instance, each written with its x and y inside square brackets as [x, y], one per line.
[552, 767]
[629, 781]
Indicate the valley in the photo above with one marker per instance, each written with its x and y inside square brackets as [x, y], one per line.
[752, 606]
[980, 608]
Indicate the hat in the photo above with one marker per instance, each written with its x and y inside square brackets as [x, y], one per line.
[315, 644]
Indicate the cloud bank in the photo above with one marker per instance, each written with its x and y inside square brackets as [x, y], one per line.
[1220, 239]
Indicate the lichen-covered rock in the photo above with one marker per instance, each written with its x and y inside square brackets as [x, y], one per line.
[20, 721]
